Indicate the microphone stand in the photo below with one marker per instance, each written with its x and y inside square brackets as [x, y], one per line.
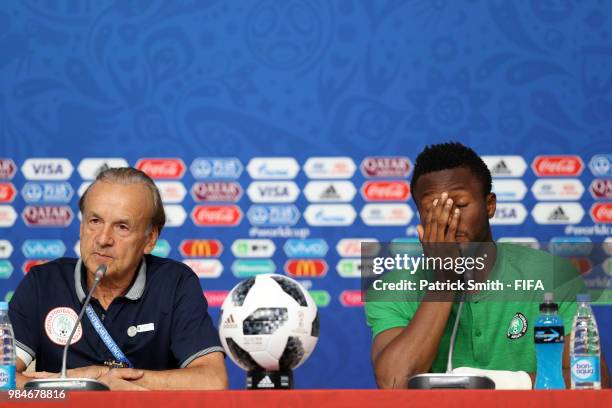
[449, 380]
[63, 382]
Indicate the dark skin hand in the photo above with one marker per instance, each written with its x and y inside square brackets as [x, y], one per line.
[400, 353]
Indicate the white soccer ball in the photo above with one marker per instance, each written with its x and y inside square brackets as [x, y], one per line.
[269, 322]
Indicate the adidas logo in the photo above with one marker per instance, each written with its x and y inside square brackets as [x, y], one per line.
[330, 193]
[501, 168]
[558, 215]
[230, 322]
[265, 383]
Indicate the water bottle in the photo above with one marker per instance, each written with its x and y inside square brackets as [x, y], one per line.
[584, 347]
[7, 352]
[548, 336]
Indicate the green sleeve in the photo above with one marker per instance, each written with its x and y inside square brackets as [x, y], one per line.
[383, 316]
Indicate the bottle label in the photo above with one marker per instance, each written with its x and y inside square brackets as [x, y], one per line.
[7, 377]
[585, 369]
[548, 334]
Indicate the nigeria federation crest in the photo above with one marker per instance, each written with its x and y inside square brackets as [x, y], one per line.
[517, 327]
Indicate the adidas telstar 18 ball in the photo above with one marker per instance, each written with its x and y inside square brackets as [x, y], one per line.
[269, 322]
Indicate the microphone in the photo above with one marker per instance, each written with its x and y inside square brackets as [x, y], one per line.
[72, 384]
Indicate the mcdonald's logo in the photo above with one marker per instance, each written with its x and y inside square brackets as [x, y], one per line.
[201, 248]
[306, 268]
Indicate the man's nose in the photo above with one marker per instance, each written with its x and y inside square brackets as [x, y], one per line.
[105, 237]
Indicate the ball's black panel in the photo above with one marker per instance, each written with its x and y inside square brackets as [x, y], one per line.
[291, 288]
[242, 291]
[241, 355]
[265, 320]
[315, 326]
[292, 355]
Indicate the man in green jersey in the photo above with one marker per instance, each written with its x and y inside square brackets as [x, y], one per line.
[451, 187]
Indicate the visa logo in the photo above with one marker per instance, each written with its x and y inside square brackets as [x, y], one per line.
[43, 248]
[306, 248]
[47, 169]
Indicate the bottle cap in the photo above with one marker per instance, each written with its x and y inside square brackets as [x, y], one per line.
[583, 297]
[548, 305]
[3, 305]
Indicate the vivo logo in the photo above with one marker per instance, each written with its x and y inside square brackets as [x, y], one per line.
[273, 191]
[325, 215]
[47, 192]
[273, 168]
[43, 248]
[306, 248]
[47, 169]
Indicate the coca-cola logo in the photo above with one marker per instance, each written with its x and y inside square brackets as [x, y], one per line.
[47, 215]
[7, 192]
[386, 190]
[216, 215]
[602, 212]
[552, 166]
[162, 168]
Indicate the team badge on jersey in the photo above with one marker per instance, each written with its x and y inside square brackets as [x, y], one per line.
[517, 327]
[59, 323]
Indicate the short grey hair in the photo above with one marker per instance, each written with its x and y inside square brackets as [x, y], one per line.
[130, 175]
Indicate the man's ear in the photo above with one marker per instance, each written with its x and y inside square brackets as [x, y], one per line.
[151, 240]
[491, 204]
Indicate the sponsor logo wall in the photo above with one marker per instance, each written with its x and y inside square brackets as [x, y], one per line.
[284, 215]
[277, 214]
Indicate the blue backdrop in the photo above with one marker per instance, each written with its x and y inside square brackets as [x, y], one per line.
[303, 78]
